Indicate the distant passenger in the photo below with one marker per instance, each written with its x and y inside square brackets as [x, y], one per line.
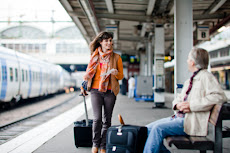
[102, 74]
[131, 86]
[199, 94]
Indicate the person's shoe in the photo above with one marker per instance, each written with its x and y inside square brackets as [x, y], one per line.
[102, 151]
[94, 150]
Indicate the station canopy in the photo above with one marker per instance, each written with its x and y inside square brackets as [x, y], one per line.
[132, 21]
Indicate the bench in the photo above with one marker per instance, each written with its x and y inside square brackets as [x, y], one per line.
[218, 114]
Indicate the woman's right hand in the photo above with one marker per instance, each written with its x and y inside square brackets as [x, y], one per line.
[83, 92]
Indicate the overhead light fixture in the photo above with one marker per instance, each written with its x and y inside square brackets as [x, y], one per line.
[221, 29]
[90, 14]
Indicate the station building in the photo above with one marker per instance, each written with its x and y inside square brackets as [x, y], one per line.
[65, 46]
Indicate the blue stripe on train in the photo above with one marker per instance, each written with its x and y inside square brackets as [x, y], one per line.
[4, 79]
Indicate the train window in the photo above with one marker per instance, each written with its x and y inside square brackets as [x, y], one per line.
[11, 74]
[16, 74]
[22, 75]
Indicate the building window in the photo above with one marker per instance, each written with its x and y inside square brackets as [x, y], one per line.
[224, 52]
[214, 54]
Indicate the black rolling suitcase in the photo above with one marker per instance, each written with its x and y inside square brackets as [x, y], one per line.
[83, 131]
[126, 138]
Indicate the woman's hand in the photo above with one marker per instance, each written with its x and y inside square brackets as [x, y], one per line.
[114, 72]
[184, 107]
[83, 92]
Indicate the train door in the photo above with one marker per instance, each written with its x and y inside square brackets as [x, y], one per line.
[40, 82]
[50, 74]
[45, 82]
[24, 81]
[12, 84]
[29, 80]
[0, 77]
[56, 79]
[36, 81]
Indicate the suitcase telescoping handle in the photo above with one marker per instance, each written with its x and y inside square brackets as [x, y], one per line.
[121, 119]
[86, 113]
[119, 131]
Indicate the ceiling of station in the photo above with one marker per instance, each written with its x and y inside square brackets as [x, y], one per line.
[135, 19]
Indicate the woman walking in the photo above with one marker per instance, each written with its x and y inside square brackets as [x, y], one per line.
[102, 74]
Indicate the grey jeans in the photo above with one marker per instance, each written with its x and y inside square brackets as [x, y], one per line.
[101, 100]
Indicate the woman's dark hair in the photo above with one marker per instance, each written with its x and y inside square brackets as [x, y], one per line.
[99, 38]
[201, 57]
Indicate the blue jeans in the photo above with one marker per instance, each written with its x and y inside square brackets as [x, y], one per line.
[160, 129]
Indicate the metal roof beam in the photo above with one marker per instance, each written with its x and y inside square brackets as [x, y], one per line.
[219, 25]
[163, 6]
[208, 16]
[87, 6]
[217, 6]
[139, 39]
[150, 7]
[75, 19]
[109, 5]
[125, 17]
[140, 18]
[214, 6]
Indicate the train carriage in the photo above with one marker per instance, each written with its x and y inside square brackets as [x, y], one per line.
[22, 77]
[10, 78]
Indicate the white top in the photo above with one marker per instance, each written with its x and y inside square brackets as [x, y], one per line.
[131, 83]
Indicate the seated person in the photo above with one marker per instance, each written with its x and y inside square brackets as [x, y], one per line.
[199, 94]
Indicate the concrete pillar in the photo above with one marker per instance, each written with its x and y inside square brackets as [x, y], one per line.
[159, 75]
[183, 40]
[149, 57]
[142, 63]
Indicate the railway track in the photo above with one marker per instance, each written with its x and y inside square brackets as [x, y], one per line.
[13, 129]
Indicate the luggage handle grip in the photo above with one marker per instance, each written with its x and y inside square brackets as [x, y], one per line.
[121, 119]
[83, 95]
[119, 132]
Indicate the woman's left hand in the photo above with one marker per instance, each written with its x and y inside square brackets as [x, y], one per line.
[185, 107]
[114, 72]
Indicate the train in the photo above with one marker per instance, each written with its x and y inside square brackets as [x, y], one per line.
[23, 77]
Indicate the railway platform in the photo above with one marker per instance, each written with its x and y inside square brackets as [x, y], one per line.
[56, 136]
